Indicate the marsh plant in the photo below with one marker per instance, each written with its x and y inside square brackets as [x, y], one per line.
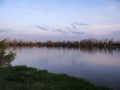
[5, 56]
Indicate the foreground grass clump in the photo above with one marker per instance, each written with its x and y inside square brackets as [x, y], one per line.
[24, 78]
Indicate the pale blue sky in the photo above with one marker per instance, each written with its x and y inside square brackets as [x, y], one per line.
[59, 19]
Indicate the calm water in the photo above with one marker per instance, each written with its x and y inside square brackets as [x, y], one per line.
[99, 67]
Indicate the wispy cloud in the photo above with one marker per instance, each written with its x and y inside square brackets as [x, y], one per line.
[77, 32]
[75, 25]
[5, 30]
[81, 24]
[2, 31]
[42, 27]
[60, 30]
[70, 29]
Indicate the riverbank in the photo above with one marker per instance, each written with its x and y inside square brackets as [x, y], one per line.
[26, 78]
[81, 44]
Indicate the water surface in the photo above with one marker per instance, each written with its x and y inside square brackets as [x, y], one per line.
[99, 67]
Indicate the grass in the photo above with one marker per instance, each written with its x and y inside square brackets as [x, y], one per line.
[26, 78]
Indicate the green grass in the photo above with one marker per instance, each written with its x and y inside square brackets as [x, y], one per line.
[26, 78]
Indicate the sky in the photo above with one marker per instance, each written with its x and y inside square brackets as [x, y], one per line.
[59, 19]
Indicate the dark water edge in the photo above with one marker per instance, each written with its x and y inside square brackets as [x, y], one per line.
[98, 66]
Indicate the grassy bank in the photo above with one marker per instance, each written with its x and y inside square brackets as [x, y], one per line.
[24, 78]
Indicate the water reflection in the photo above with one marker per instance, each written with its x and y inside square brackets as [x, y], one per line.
[100, 67]
[6, 58]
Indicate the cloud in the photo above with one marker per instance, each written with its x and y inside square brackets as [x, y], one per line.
[81, 24]
[61, 31]
[42, 27]
[46, 28]
[76, 25]
[2, 31]
[101, 29]
[77, 32]
[5, 30]
[71, 29]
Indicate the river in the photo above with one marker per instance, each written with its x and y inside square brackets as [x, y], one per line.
[101, 67]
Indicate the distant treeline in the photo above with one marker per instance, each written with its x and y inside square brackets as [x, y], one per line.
[86, 43]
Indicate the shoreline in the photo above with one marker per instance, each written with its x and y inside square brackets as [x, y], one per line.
[27, 78]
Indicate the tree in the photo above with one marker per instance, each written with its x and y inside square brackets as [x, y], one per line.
[5, 56]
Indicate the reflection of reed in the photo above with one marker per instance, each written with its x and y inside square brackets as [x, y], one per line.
[5, 57]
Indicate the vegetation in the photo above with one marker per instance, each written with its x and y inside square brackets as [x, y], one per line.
[24, 78]
[5, 56]
[86, 43]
